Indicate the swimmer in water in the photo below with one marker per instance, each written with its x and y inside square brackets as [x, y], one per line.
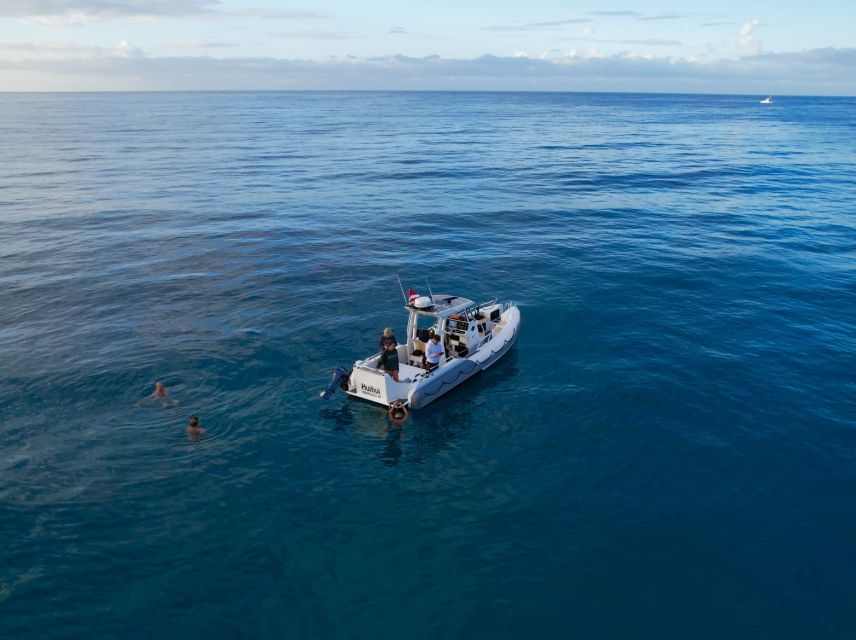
[161, 393]
[193, 428]
[397, 413]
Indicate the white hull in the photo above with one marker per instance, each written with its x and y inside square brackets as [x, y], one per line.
[419, 388]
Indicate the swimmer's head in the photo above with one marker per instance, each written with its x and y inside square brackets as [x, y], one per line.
[158, 386]
[194, 421]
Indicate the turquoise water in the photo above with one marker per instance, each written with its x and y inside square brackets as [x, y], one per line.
[667, 452]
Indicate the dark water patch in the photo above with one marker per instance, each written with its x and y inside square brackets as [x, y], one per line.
[675, 419]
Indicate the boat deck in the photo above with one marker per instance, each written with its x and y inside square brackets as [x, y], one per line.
[409, 372]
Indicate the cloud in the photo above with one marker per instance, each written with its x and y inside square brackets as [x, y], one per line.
[664, 16]
[617, 14]
[62, 51]
[316, 35]
[277, 14]
[814, 72]
[75, 12]
[648, 42]
[199, 45]
[127, 50]
[637, 15]
[61, 12]
[746, 39]
[537, 26]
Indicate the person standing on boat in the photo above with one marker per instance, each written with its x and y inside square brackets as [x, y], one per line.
[433, 352]
[389, 359]
[385, 337]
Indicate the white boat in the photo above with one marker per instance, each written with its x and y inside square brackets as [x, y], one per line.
[474, 336]
[767, 100]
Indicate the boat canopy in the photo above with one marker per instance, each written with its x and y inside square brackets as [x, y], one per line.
[444, 306]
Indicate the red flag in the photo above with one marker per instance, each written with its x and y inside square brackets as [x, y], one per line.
[412, 295]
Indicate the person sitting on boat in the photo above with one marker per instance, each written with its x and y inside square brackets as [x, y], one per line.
[385, 337]
[397, 412]
[433, 352]
[389, 359]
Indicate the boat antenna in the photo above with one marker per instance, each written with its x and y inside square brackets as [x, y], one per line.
[429, 290]
[400, 286]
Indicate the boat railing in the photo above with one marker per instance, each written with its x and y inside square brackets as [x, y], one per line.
[361, 364]
[484, 305]
[487, 338]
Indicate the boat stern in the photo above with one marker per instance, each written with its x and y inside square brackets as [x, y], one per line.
[375, 386]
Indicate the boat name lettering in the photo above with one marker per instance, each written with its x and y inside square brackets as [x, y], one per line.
[367, 388]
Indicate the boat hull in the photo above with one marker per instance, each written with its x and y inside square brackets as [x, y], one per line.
[458, 371]
[419, 389]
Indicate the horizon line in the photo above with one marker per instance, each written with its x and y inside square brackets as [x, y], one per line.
[505, 91]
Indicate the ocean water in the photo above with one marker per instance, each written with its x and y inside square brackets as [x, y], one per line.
[669, 451]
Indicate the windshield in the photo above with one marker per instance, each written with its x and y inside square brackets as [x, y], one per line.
[421, 326]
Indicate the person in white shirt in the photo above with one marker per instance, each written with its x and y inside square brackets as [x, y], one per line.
[433, 352]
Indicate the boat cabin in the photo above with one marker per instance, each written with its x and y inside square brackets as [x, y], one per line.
[462, 324]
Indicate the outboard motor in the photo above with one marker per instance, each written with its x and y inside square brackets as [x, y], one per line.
[341, 376]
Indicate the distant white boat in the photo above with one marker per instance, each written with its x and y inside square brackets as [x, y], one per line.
[767, 100]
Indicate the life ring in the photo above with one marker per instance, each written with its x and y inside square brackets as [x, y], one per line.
[398, 413]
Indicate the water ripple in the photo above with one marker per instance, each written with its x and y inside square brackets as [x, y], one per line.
[678, 411]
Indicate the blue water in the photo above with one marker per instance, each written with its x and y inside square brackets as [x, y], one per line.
[669, 451]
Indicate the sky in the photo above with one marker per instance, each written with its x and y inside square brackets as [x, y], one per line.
[779, 47]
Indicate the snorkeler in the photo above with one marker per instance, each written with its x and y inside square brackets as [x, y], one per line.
[160, 393]
[193, 428]
[397, 413]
